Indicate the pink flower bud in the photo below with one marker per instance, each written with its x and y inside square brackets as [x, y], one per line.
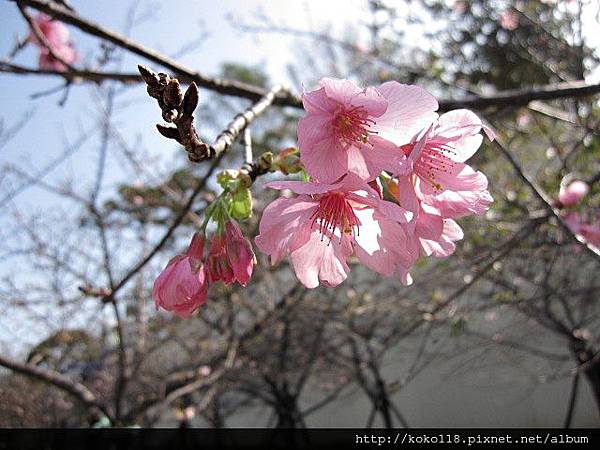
[230, 257]
[217, 261]
[240, 253]
[573, 193]
[183, 286]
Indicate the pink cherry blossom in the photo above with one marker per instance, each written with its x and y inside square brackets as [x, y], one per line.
[435, 162]
[349, 129]
[183, 285]
[57, 37]
[230, 257]
[573, 193]
[326, 223]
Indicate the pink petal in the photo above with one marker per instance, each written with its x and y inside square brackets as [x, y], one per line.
[325, 161]
[314, 128]
[349, 94]
[178, 289]
[410, 109]
[430, 223]
[382, 244]
[196, 247]
[462, 203]
[281, 228]
[444, 246]
[372, 100]
[403, 190]
[322, 259]
[317, 102]
[369, 160]
[239, 252]
[340, 90]
[459, 177]
[461, 128]
[301, 187]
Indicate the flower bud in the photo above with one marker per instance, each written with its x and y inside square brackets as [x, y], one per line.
[573, 193]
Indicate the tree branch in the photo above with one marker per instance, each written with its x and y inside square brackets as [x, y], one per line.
[178, 109]
[518, 97]
[572, 400]
[521, 97]
[225, 87]
[72, 76]
[77, 390]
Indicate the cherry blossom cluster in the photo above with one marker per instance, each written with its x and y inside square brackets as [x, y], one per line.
[387, 178]
[57, 38]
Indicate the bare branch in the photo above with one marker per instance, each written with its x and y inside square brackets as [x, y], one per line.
[77, 390]
[226, 87]
[511, 98]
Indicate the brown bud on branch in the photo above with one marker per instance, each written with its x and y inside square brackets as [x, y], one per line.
[178, 109]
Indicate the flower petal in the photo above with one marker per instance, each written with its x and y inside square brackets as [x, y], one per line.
[455, 204]
[456, 177]
[340, 90]
[382, 244]
[312, 129]
[461, 130]
[322, 259]
[325, 161]
[317, 102]
[281, 226]
[410, 109]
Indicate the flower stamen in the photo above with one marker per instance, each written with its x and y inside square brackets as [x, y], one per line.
[352, 125]
[335, 212]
